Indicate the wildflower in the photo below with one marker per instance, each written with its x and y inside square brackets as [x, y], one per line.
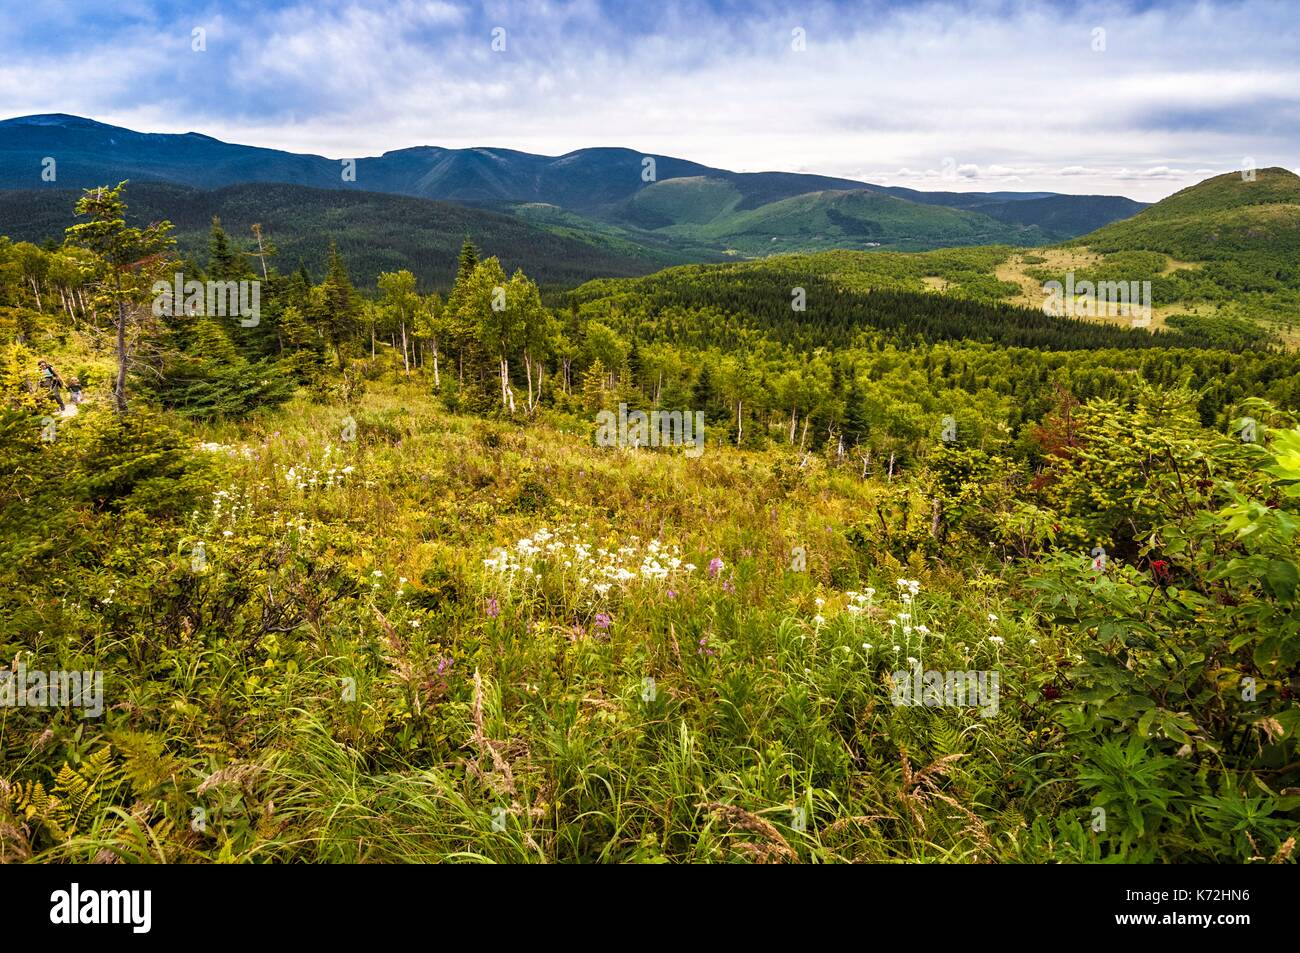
[377, 573]
[672, 593]
[818, 620]
[415, 623]
[493, 610]
[996, 639]
[911, 587]
[715, 567]
[603, 621]
[443, 665]
[992, 617]
[728, 586]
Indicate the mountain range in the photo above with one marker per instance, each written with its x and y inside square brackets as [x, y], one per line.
[611, 210]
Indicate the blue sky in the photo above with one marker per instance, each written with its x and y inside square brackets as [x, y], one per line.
[957, 95]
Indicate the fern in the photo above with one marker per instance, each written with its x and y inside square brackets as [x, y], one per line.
[75, 794]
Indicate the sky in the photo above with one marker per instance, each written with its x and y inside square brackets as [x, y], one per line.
[1117, 98]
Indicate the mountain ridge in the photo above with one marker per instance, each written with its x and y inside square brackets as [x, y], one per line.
[598, 182]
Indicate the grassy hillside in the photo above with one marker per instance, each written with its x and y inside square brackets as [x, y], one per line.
[627, 240]
[839, 218]
[696, 200]
[714, 212]
[1223, 217]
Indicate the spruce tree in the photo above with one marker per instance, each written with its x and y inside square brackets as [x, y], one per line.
[856, 424]
[336, 304]
[704, 395]
[467, 261]
[225, 262]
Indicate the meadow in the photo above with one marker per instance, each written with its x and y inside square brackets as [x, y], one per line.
[453, 638]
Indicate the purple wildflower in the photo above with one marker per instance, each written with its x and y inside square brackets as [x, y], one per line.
[603, 621]
[715, 567]
[443, 665]
[493, 610]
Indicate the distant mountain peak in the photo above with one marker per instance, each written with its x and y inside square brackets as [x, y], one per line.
[52, 119]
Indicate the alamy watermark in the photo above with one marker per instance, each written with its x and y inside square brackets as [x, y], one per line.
[932, 689]
[218, 299]
[659, 428]
[132, 908]
[1099, 299]
[25, 688]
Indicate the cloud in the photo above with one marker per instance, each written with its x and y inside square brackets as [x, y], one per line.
[1158, 172]
[1011, 92]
